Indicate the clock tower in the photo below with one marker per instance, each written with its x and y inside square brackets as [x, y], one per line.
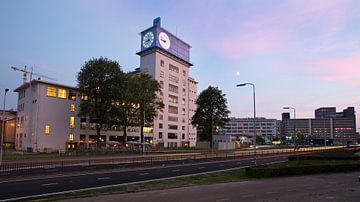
[167, 59]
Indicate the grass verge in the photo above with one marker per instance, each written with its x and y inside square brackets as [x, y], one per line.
[221, 177]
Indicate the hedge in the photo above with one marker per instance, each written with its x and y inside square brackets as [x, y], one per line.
[264, 171]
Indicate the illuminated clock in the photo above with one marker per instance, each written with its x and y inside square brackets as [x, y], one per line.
[164, 40]
[148, 39]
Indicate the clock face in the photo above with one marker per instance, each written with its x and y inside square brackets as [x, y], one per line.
[148, 39]
[164, 40]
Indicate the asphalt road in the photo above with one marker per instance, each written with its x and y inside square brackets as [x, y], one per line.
[329, 187]
[39, 186]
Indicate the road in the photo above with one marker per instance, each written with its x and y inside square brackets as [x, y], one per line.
[330, 187]
[47, 185]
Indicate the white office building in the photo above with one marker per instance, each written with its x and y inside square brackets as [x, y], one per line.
[167, 58]
[244, 127]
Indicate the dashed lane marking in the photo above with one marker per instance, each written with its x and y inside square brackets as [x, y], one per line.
[50, 184]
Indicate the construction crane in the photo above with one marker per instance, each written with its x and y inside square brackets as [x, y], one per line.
[26, 73]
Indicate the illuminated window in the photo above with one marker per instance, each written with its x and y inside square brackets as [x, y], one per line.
[72, 107]
[61, 93]
[71, 137]
[84, 97]
[51, 92]
[47, 129]
[72, 122]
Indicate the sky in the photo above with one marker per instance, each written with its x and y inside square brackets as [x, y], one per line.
[299, 53]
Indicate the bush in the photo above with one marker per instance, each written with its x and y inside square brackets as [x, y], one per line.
[265, 171]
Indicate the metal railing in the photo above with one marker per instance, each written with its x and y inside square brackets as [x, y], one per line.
[70, 165]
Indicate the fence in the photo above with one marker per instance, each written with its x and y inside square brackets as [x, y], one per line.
[40, 166]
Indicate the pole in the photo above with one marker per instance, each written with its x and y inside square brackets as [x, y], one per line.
[294, 135]
[3, 128]
[212, 133]
[254, 124]
[254, 137]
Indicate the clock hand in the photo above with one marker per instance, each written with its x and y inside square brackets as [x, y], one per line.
[163, 40]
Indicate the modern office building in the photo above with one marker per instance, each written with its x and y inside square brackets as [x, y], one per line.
[328, 125]
[47, 118]
[167, 58]
[244, 127]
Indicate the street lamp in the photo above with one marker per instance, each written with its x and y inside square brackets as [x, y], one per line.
[3, 128]
[244, 84]
[293, 136]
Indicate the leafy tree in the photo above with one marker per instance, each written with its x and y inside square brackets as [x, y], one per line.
[300, 138]
[124, 110]
[98, 79]
[211, 112]
[145, 90]
[260, 140]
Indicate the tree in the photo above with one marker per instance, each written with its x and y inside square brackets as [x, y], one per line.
[211, 112]
[300, 138]
[145, 90]
[98, 79]
[124, 110]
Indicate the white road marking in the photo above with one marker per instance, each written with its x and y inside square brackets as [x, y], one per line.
[50, 184]
[201, 167]
[271, 192]
[223, 199]
[103, 178]
[142, 174]
[169, 192]
[138, 196]
[177, 170]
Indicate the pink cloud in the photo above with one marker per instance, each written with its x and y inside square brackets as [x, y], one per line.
[344, 69]
[281, 29]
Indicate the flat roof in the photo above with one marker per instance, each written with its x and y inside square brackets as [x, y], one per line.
[25, 85]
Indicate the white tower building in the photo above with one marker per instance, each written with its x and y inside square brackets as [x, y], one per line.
[167, 58]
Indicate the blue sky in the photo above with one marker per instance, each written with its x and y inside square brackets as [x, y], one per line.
[304, 53]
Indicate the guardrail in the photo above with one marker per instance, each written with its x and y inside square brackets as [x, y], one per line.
[34, 167]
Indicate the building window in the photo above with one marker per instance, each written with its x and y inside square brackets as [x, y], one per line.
[173, 110]
[72, 95]
[161, 84]
[71, 137]
[161, 74]
[160, 125]
[160, 135]
[173, 78]
[173, 99]
[183, 136]
[172, 136]
[47, 129]
[72, 107]
[72, 122]
[51, 92]
[184, 73]
[84, 97]
[173, 68]
[172, 127]
[173, 88]
[162, 63]
[61, 93]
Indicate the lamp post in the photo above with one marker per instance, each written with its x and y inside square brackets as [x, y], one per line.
[253, 86]
[3, 127]
[293, 136]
